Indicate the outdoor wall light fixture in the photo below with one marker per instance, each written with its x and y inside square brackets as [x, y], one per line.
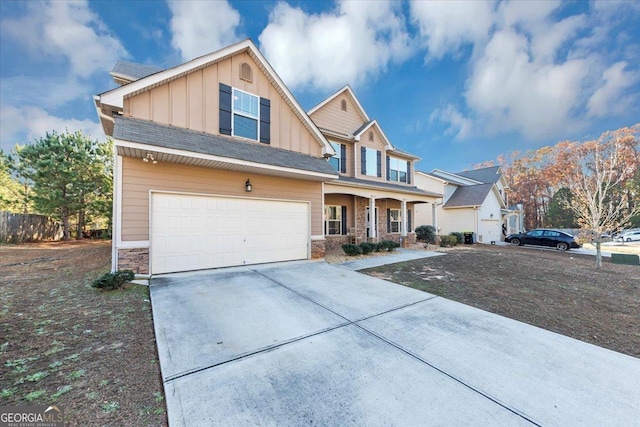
[149, 158]
[247, 186]
[491, 215]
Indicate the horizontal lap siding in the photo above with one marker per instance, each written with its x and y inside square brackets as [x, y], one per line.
[342, 200]
[138, 178]
[331, 116]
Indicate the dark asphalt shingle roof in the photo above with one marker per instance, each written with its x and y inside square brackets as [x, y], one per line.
[134, 71]
[486, 175]
[472, 195]
[363, 127]
[387, 186]
[160, 135]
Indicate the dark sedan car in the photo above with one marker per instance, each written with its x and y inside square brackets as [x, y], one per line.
[544, 237]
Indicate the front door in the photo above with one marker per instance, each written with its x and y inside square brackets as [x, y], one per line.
[375, 223]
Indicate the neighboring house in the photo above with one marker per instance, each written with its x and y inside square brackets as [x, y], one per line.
[216, 164]
[375, 196]
[474, 201]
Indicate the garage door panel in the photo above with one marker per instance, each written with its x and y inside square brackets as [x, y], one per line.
[198, 232]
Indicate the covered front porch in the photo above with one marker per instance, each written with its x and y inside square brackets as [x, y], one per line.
[370, 212]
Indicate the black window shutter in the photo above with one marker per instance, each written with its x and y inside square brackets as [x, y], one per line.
[388, 168]
[344, 220]
[363, 160]
[225, 109]
[343, 158]
[408, 172]
[265, 121]
[408, 221]
[379, 164]
[388, 220]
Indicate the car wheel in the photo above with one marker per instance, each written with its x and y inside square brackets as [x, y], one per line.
[515, 242]
[562, 246]
[628, 239]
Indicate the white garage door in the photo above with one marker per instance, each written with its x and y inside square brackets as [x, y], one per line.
[197, 232]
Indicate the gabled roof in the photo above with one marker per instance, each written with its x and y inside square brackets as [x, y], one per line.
[176, 138]
[453, 178]
[113, 100]
[357, 133]
[488, 175]
[125, 72]
[472, 195]
[430, 175]
[347, 89]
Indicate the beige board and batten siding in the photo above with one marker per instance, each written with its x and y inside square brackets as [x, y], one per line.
[332, 117]
[139, 179]
[192, 102]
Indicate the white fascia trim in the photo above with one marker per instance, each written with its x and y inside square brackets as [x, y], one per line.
[115, 97]
[344, 88]
[134, 244]
[173, 151]
[496, 193]
[388, 145]
[117, 209]
[455, 179]
[428, 175]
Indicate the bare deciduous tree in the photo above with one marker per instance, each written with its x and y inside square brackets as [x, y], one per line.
[596, 172]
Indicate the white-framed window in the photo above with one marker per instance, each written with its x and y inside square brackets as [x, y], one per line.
[332, 220]
[372, 162]
[397, 170]
[246, 114]
[395, 220]
[336, 161]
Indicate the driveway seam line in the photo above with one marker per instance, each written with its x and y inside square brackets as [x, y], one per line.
[253, 353]
[458, 380]
[407, 352]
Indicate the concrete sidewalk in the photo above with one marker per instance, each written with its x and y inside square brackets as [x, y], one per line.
[313, 343]
[399, 255]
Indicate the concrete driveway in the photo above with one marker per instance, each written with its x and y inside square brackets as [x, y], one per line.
[312, 343]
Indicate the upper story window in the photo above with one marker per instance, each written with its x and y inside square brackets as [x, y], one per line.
[245, 115]
[337, 161]
[397, 170]
[370, 161]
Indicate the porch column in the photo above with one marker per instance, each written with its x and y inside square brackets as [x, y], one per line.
[403, 223]
[434, 216]
[373, 227]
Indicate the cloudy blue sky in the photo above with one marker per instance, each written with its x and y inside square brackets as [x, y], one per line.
[455, 82]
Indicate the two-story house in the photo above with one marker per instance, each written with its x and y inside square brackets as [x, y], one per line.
[474, 201]
[216, 164]
[375, 196]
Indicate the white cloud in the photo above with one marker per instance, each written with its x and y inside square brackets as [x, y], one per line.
[201, 27]
[530, 71]
[612, 97]
[69, 30]
[447, 26]
[460, 126]
[24, 125]
[509, 91]
[350, 44]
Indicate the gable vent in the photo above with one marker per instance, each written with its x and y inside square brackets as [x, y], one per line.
[370, 135]
[246, 73]
[343, 105]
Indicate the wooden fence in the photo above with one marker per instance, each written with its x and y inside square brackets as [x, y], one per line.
[21, 228]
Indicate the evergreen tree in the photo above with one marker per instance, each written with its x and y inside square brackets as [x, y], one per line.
[70, 175]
